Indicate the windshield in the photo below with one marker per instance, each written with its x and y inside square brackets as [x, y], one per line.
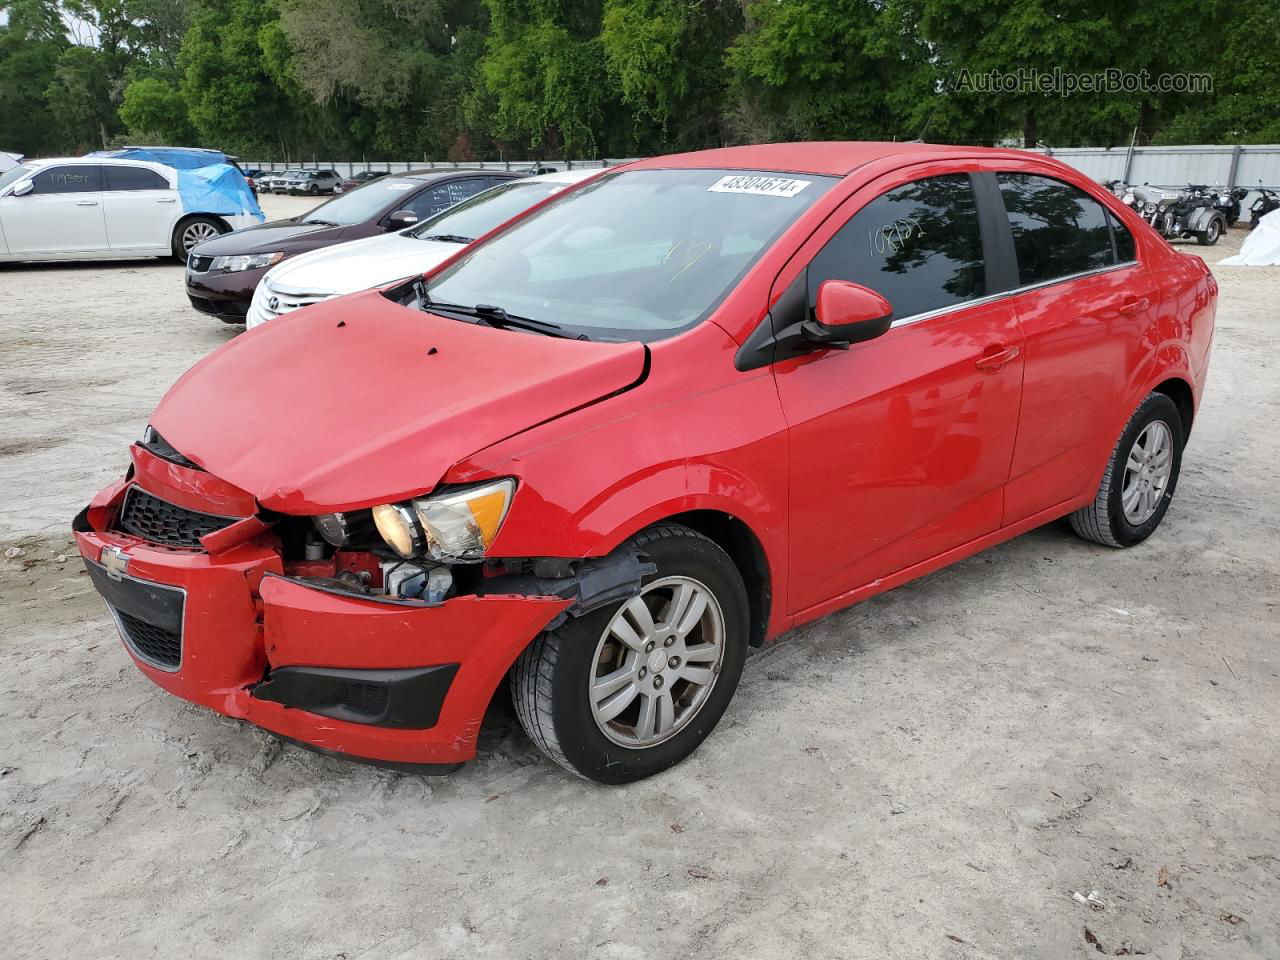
[17, 173]
[477, 216]
[636, 255]
[364, 202]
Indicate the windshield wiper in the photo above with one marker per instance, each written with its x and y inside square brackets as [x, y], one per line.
[323, 223]
[445, 237]
[488, 315]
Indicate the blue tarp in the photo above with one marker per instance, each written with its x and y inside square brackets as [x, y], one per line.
[207, 182]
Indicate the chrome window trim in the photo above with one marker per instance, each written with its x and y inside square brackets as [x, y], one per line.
[993, 297]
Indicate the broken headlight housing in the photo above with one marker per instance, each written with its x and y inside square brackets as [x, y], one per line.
[455, 525]
[249, 261]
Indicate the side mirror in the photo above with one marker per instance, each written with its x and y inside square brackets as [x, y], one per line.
[25, 187]
[848, 313]
[400, 219]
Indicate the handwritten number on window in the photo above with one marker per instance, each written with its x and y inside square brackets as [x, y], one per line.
[893, 237]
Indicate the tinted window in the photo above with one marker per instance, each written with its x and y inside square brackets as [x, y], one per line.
[133, 178]
[1058, 230]
[483, 212]
[919, 246]
[1126, 250]
[79, 178]
[441, 198]
[372, 200]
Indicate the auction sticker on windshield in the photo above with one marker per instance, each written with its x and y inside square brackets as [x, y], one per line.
[761, 186]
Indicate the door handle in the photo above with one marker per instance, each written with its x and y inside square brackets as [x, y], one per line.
[997, 357]
[86, 203]
[1135, 307]
[166, 199]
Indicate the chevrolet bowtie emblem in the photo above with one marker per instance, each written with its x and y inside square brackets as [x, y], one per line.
[114, 561]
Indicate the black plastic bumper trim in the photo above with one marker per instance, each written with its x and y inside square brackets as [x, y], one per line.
[403, 699]
[155, 603]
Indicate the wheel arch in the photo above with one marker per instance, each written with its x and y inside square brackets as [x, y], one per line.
[736, 538]
[1179, 391]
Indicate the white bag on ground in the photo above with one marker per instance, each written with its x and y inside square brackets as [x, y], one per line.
[1261, 248]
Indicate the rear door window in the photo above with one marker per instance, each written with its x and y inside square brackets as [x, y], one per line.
[1058, 230]
[441, 198]
[133, 178]
[919, 246]
[72, 178]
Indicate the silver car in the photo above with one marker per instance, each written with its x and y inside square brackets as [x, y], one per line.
[314, 182]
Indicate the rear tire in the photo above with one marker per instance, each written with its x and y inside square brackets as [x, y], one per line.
[1209, 236]
[195, 230]
[1140, 478]
[595, 693]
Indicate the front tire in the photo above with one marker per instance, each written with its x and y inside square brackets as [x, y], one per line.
[1140, 478]
[633, 688]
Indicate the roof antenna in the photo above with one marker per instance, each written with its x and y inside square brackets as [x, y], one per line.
[928, 120]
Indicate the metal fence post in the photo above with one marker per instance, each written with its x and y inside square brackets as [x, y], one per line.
[1235, 166]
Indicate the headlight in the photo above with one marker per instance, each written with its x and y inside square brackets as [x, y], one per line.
[398, 526]
[1128, 198]
[454, 526]
[1149, 206]
[249, 261]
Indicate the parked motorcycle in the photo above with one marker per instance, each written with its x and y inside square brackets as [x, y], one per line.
[1180, 214]
[1267, 201]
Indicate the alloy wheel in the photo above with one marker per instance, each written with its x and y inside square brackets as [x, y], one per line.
[197, 232]
[656, 662]
[1147, 472]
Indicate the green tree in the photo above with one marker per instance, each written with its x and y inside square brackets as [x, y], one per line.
[233, 100]
[30, 45]
[666, 58]
[545, 81]
[155, 112]
[812, 69]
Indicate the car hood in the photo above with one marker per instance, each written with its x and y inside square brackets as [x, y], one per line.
[359, 401]
[359, 264]
[266, 238]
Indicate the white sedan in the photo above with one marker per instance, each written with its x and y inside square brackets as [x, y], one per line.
[361, 264]
[81, 208]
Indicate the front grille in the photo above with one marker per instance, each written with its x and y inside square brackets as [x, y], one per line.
[274, 303]
[151, 643]
[199, 264]
[368, 699]
[159, 521]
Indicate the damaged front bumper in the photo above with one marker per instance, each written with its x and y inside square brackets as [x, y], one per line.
[389, 681]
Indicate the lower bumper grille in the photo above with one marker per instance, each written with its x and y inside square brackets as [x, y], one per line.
[154, 644]
[159, 521]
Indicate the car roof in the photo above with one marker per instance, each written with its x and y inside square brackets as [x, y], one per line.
[833, 157]
[566, 176]
[429, 175]
[162, 169]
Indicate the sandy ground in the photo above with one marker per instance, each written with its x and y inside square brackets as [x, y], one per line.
[933, 774]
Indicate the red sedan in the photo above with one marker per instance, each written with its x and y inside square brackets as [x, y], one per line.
[664, 417]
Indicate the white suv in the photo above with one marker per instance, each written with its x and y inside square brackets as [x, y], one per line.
[314, 182]
[80, 208]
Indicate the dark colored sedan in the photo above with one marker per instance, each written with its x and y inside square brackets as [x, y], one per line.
[359, 180]
[223, 272]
